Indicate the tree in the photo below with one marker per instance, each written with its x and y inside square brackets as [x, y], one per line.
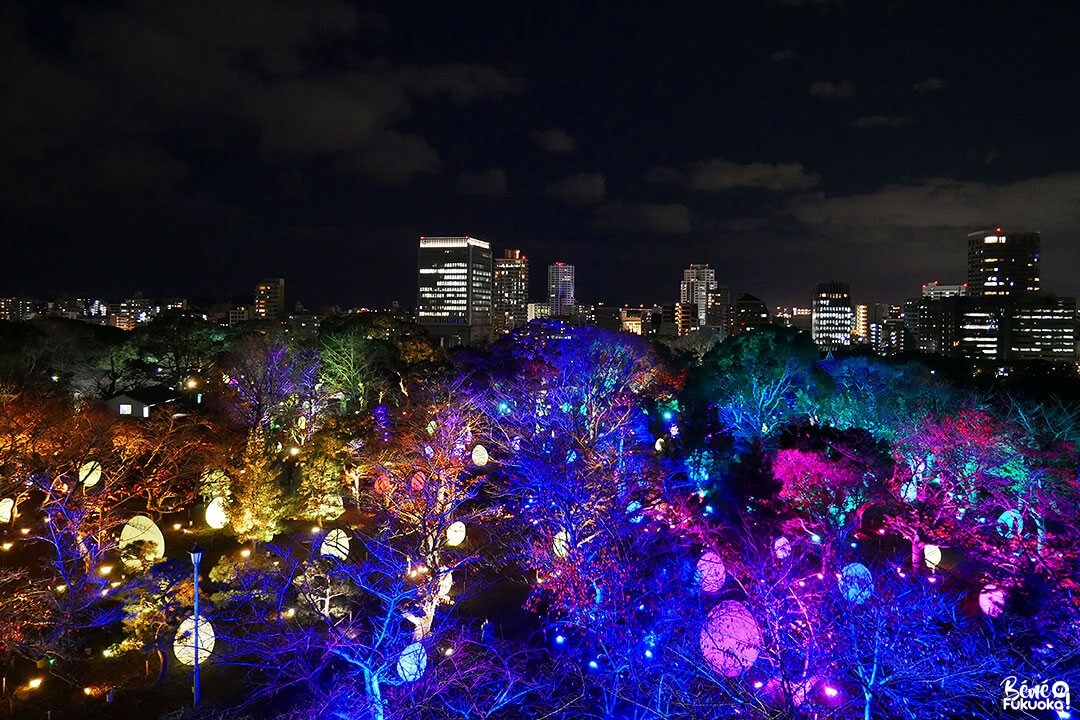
[753, 384]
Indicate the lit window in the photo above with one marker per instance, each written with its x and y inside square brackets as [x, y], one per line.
[125, 409]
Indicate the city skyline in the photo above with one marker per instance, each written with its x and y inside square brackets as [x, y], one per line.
[783, 143]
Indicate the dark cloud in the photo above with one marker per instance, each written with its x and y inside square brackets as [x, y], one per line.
[931, 84]
[665, 175]
[580, 189]
[391, 158]
[669, 219]
[1049, 202]
[782, 55]
[718, 175]
[554, 140]
[881, 121]
[831, 91]
[461, 82]
[491, 183]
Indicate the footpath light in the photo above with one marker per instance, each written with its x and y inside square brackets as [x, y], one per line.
[196, 558]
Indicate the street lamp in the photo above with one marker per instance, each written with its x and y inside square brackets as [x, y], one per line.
[196, 558]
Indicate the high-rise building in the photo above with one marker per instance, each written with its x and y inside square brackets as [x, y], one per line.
[561, 289]
[698, 281]
[454, 289]
[936, 291]
[833, 317]
[861, 330]
[269, 299]
[750, 312]
[510, 294]
[1042, 328]
[1003, 264]
[718, 313]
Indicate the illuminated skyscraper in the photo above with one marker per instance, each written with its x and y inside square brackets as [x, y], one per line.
[454, 298]
[833, 317]
[561, 289]
[698, 281]
[1003, 264]
[510, 296]
[270, 299]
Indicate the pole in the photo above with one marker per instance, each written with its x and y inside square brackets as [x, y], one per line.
[196, 556]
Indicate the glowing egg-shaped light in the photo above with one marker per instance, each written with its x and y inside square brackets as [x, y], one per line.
[215, 514]
[446, 583]
[1010, 524]
[992, 600]
[432, 427]
[781, 548]
[412, 663]
[480, 456]
[711, 572]
[909, 491]
[633, 511]
[455, 533]
[856, 583]
[932, 555]
[335, 544]
[730, 638]
[184, 643]
[560, 545]
[90, 473]
[141, 529]
[7, 509]
[659, 444]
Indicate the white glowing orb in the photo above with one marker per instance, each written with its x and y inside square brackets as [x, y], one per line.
[1010, 524]
[856, 583]
[215, 514]
[992, 600]
[730, 638]
[412, 663]
[90, 473]
[455, 534]
[141, 529]
[560, 545]
[7, 509]
[932, 555]
[711, 572]
[480, 456]
[446, 583]
[184, 643]
[335, 544]
[781, 548]
[659, 444]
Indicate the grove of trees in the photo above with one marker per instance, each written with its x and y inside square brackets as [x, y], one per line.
[569, 523]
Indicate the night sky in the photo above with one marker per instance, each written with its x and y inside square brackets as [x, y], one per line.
[190, 148]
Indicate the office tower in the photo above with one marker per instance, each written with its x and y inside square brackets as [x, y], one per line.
[1042, 328]
[698, 281]
[270, 299]
[718, 313]
[454, 289]
[936, 291]
[510, 292]
[750, 312]
[561, 289]
[1002, 264]
[832, 317]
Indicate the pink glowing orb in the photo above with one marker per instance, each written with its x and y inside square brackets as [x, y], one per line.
[730, 638]
[711, 572]
[992, 600]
